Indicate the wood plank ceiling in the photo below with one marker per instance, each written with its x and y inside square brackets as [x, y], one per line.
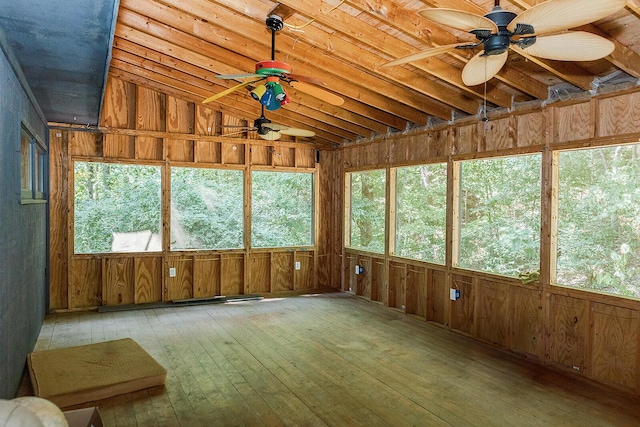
[179, 47]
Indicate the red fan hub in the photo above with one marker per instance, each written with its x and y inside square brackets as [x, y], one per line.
[270, 68]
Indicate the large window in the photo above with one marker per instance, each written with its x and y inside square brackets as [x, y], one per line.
[206, 208]
[32, 167]
[117, 208]
[421, 212]
[599, 219]
[367, 210]
[281, 209]
[499, 215]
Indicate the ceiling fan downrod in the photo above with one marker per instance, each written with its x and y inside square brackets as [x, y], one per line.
[275, 24]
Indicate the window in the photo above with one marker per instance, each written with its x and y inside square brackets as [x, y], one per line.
[599, 219]
[117, 208]
[366, 210]
[499, 215]
[281, 209]
[32, 167]
[421, 212]
[207, 208]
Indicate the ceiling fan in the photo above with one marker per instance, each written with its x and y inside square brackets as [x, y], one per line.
[268, 130]
[271, 94]
[499, 30]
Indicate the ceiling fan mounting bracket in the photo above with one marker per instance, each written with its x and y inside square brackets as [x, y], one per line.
[274, 23]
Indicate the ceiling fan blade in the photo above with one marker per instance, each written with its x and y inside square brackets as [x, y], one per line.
[458, 19]
[236, 132]
[270, 136]
[317, 92]
[274, 126]
[482, 68]
[237, 76]
[298, 132]
[556, 15]
[231, 90]
[306, 79]
[424, 54]
[571, 46]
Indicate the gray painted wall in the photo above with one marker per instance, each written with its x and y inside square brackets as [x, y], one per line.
[23, 232]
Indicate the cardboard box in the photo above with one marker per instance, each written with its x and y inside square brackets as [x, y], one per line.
[87, 417]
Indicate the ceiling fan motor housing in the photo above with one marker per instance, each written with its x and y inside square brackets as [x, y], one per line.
[257, 123]
[498, 44]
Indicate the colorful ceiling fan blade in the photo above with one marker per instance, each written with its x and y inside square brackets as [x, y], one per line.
[557, 15]
[571, 46]
[231, 90]
[237, 76]
[306, 79]
[317, 92]
[459, 19]
[424, 54]
[482, 68]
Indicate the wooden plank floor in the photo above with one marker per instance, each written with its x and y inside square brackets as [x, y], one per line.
[329, 359]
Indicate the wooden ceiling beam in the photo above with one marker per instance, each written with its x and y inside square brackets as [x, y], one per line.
[567, 71]
[366, 65]
[162, 37]
[219, 85]
[142, 16]
[160, 72]
[282, 11]
[410, 23]
[389, 45]
[142, 58]
[184, 90]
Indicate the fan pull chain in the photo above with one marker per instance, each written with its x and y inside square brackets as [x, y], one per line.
[484, 108]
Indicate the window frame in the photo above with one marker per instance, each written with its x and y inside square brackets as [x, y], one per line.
[456, 239]
[393, 215]
[348, 206]
[249, 238]
[244, 197]
[35, 158]
[72, 190]
[554, 243]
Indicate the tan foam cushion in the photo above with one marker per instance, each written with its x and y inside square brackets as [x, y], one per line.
[86, 373]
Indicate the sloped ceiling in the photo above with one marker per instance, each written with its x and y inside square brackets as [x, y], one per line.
[179, 47]
[62, 47]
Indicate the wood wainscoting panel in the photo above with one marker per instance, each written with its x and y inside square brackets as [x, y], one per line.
[614, 345]
[148, 279]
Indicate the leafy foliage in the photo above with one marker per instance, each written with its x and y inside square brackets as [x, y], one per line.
[368, 196]
[500, 214]
[421, 212]
[206, 208]
[282, 209]
[114, 198]
[599, 219]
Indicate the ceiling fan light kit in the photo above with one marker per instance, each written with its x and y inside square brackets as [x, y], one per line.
[501, 30]
[272, 94]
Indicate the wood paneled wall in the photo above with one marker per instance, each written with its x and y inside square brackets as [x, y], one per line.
[584, 333]
[140, 125]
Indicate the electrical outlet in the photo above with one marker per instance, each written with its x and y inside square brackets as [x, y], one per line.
[297, 265]
[172, 272]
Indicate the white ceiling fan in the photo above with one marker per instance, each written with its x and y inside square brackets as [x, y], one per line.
[532, 31]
